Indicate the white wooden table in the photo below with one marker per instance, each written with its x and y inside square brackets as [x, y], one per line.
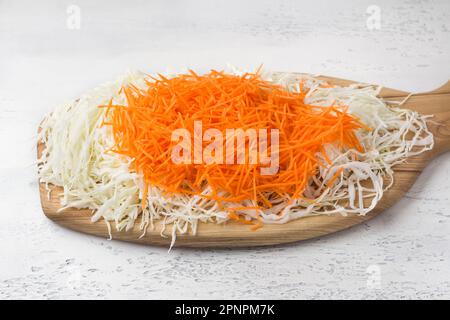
[45, 59]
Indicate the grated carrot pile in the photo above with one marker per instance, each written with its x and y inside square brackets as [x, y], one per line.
[142, 130]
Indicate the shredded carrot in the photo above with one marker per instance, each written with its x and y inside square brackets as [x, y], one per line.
[256, 226]
[335, 176]
[143, 130]
[233, 216]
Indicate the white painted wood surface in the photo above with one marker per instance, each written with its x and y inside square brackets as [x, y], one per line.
[403, 253]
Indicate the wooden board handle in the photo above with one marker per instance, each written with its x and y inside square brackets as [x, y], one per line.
[445, 88]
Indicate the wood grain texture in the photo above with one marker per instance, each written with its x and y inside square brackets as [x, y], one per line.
[232, 234]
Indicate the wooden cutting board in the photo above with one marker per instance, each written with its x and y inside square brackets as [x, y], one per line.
[233, 234]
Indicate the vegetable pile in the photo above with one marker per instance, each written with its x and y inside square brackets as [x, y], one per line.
[110, 150]
[142, 131]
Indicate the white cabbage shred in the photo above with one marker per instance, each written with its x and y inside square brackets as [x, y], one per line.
[76, 156]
